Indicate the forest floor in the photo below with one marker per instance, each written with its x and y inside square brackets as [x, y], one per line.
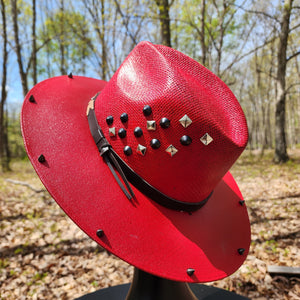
[43, 255]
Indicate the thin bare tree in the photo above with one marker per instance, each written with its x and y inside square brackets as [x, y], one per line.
[96, 9]
[280, 113]
[22, 71]
[164, 20]
[4, 147]
[34, 47]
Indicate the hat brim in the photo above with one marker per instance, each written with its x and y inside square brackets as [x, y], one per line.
[153, 238]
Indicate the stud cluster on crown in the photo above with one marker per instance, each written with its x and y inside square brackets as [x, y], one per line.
[164, 123]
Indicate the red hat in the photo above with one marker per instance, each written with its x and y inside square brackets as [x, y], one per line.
[159, 194]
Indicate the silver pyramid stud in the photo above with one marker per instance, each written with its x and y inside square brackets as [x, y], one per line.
[206, 139]
[112, 131]
[171, 150]
[141, 149]
[185, 121]
[151, 125]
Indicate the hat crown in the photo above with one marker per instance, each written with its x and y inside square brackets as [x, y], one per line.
[197, 106]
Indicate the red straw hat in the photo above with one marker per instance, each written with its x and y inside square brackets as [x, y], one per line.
[159, 195]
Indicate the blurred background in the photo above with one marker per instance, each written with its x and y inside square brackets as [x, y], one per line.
[253, 46]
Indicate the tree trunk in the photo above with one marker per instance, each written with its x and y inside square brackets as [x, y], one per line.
[202, 37]
[164, 19]
[280, 135]
[34, 50]
[219, 48]
[100, 28]
[7, 153]
[102, 38]
[290, 121]
[268, 127]
[260, 119]
[23, 75]
[4, 153]
[61, 40]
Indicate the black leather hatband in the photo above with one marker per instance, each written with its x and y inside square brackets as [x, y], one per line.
[127, 174]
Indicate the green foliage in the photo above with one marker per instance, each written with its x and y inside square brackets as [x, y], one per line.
[271, 246]
[66, 34]
[3, 263]
[37, 278]
[221, 29]
[95, 283]
[16, 145]
[73, 39]
[18, 250]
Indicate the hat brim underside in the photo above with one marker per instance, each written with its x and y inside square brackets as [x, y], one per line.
[152, 238]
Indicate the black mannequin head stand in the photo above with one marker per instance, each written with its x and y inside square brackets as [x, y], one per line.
[150, 287]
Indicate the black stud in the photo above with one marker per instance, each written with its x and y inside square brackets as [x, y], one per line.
[147, 110]
[41, 158]
[31, 99]
[241, 251]
[164, 123]
[124, 118]
[242, 202]
[185, 140]
[190, 272]
[127, 150]
[122, 133]
[109, 120]
[155, 143]
[100, 233]
[70, 75]
[138, 132]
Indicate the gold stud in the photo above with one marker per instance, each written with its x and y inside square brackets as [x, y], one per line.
[151, 125]
[171, 150]
[141, 149]
[185, 121]
[206, 139]
[112, 131]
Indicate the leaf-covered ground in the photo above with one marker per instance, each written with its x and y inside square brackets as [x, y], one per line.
[43, 255]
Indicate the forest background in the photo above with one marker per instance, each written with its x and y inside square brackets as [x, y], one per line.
[253, 46]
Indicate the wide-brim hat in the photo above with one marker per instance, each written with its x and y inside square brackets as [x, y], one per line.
[141, 163]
